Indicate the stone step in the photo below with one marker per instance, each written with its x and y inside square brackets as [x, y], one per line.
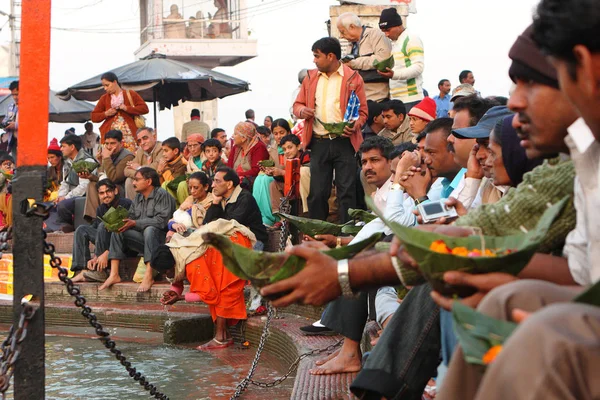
[149, 318]
[118, 294]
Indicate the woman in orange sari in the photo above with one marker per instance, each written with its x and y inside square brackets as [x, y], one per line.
[212, 284]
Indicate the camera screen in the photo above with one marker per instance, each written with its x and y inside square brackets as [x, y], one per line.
[433, 208]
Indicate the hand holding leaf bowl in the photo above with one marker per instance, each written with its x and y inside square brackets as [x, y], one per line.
[337, 128]
[263, 268]
[113, 219]
[86, 167]
[436, 254]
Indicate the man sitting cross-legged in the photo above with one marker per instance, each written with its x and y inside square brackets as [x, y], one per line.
[146, 228]
[97, 234]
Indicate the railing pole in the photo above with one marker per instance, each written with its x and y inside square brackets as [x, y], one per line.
[30, 183]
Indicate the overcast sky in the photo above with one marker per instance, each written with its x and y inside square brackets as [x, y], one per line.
[93, 36]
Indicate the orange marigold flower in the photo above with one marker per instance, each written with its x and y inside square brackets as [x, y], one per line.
[491, 354]
[460, 251]
[439, 247]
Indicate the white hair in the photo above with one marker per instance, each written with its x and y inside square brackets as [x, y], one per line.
[346, 19]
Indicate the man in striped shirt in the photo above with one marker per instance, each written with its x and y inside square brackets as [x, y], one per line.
[406, 78]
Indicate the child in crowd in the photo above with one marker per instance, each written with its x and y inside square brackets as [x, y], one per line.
[292, 148]
[212, 152]
[172, 168]
[265, 136]
[421, 114]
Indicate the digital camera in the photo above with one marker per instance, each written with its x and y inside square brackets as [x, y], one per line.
[434, 210]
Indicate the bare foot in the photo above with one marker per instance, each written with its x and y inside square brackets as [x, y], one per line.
[78, 278]
[329, 357]
[145, 285]
[110, 281]
[344, 362]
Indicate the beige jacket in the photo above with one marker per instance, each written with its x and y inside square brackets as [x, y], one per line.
[145, 161]
[373, 45]
[404, 133]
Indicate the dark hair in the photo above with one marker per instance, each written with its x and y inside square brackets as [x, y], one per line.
[282, 123]
[13, 85]
[270, 118]
[230, 175]
[397, 106]
[72, 140]
[215, 132]
[328, 45]
[172, 143]
[420, 136]
[289, 138]
[149, 173]
[111, 77]
[200, 176]
[263, 130]
[497, 100]
[384, 145]
[195, 113]
[249, 114]
[88, 124]
[212, 143]
[106, 182]
[463, 75]
[401, 148]
[6, 157]
[558, 26]
[476, 106]
[114, 134]
[444, 124]
[440, 83]
[162, 259]
[374, 111]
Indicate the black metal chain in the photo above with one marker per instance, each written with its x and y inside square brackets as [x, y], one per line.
[105, 338]
[11, 347]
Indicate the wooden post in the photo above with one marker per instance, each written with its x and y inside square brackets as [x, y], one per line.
[30, 183]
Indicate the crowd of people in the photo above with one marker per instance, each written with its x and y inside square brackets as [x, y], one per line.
[499, 162]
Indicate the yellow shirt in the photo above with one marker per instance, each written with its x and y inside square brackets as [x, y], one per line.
[327, 100]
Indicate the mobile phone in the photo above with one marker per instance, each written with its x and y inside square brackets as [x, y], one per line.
[347, 57]
[434, 210]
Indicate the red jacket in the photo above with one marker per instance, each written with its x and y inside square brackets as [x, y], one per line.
[138, 107]
[351, 81]
[257, 153]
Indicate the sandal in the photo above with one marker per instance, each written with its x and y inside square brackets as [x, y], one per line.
[215, 345]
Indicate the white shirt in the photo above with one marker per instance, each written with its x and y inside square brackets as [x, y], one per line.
[582, 247]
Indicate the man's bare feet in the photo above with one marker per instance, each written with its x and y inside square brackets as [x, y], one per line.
[78, 278]
[146, 284]
[329, 357]
[343, 362]
[110, 281]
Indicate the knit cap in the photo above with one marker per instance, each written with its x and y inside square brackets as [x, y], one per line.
[425, 110]
[389, 18]
[529, 63]
[54, 148]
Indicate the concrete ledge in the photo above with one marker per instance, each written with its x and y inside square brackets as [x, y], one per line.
[188, 330]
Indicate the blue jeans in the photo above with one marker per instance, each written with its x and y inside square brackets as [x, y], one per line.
[449, 341]
[84, 235]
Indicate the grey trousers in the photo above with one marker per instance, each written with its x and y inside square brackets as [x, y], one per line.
[554, 354]
[347, 316]
[84, 235]
[145, 242]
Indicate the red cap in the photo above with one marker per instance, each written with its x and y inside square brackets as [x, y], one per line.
[426, 109]
[53, 147]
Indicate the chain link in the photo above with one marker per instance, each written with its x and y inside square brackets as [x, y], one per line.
[104, 335]
[11, 347]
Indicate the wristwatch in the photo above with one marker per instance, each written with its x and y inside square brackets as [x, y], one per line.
[421, 199]
[344, 279]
